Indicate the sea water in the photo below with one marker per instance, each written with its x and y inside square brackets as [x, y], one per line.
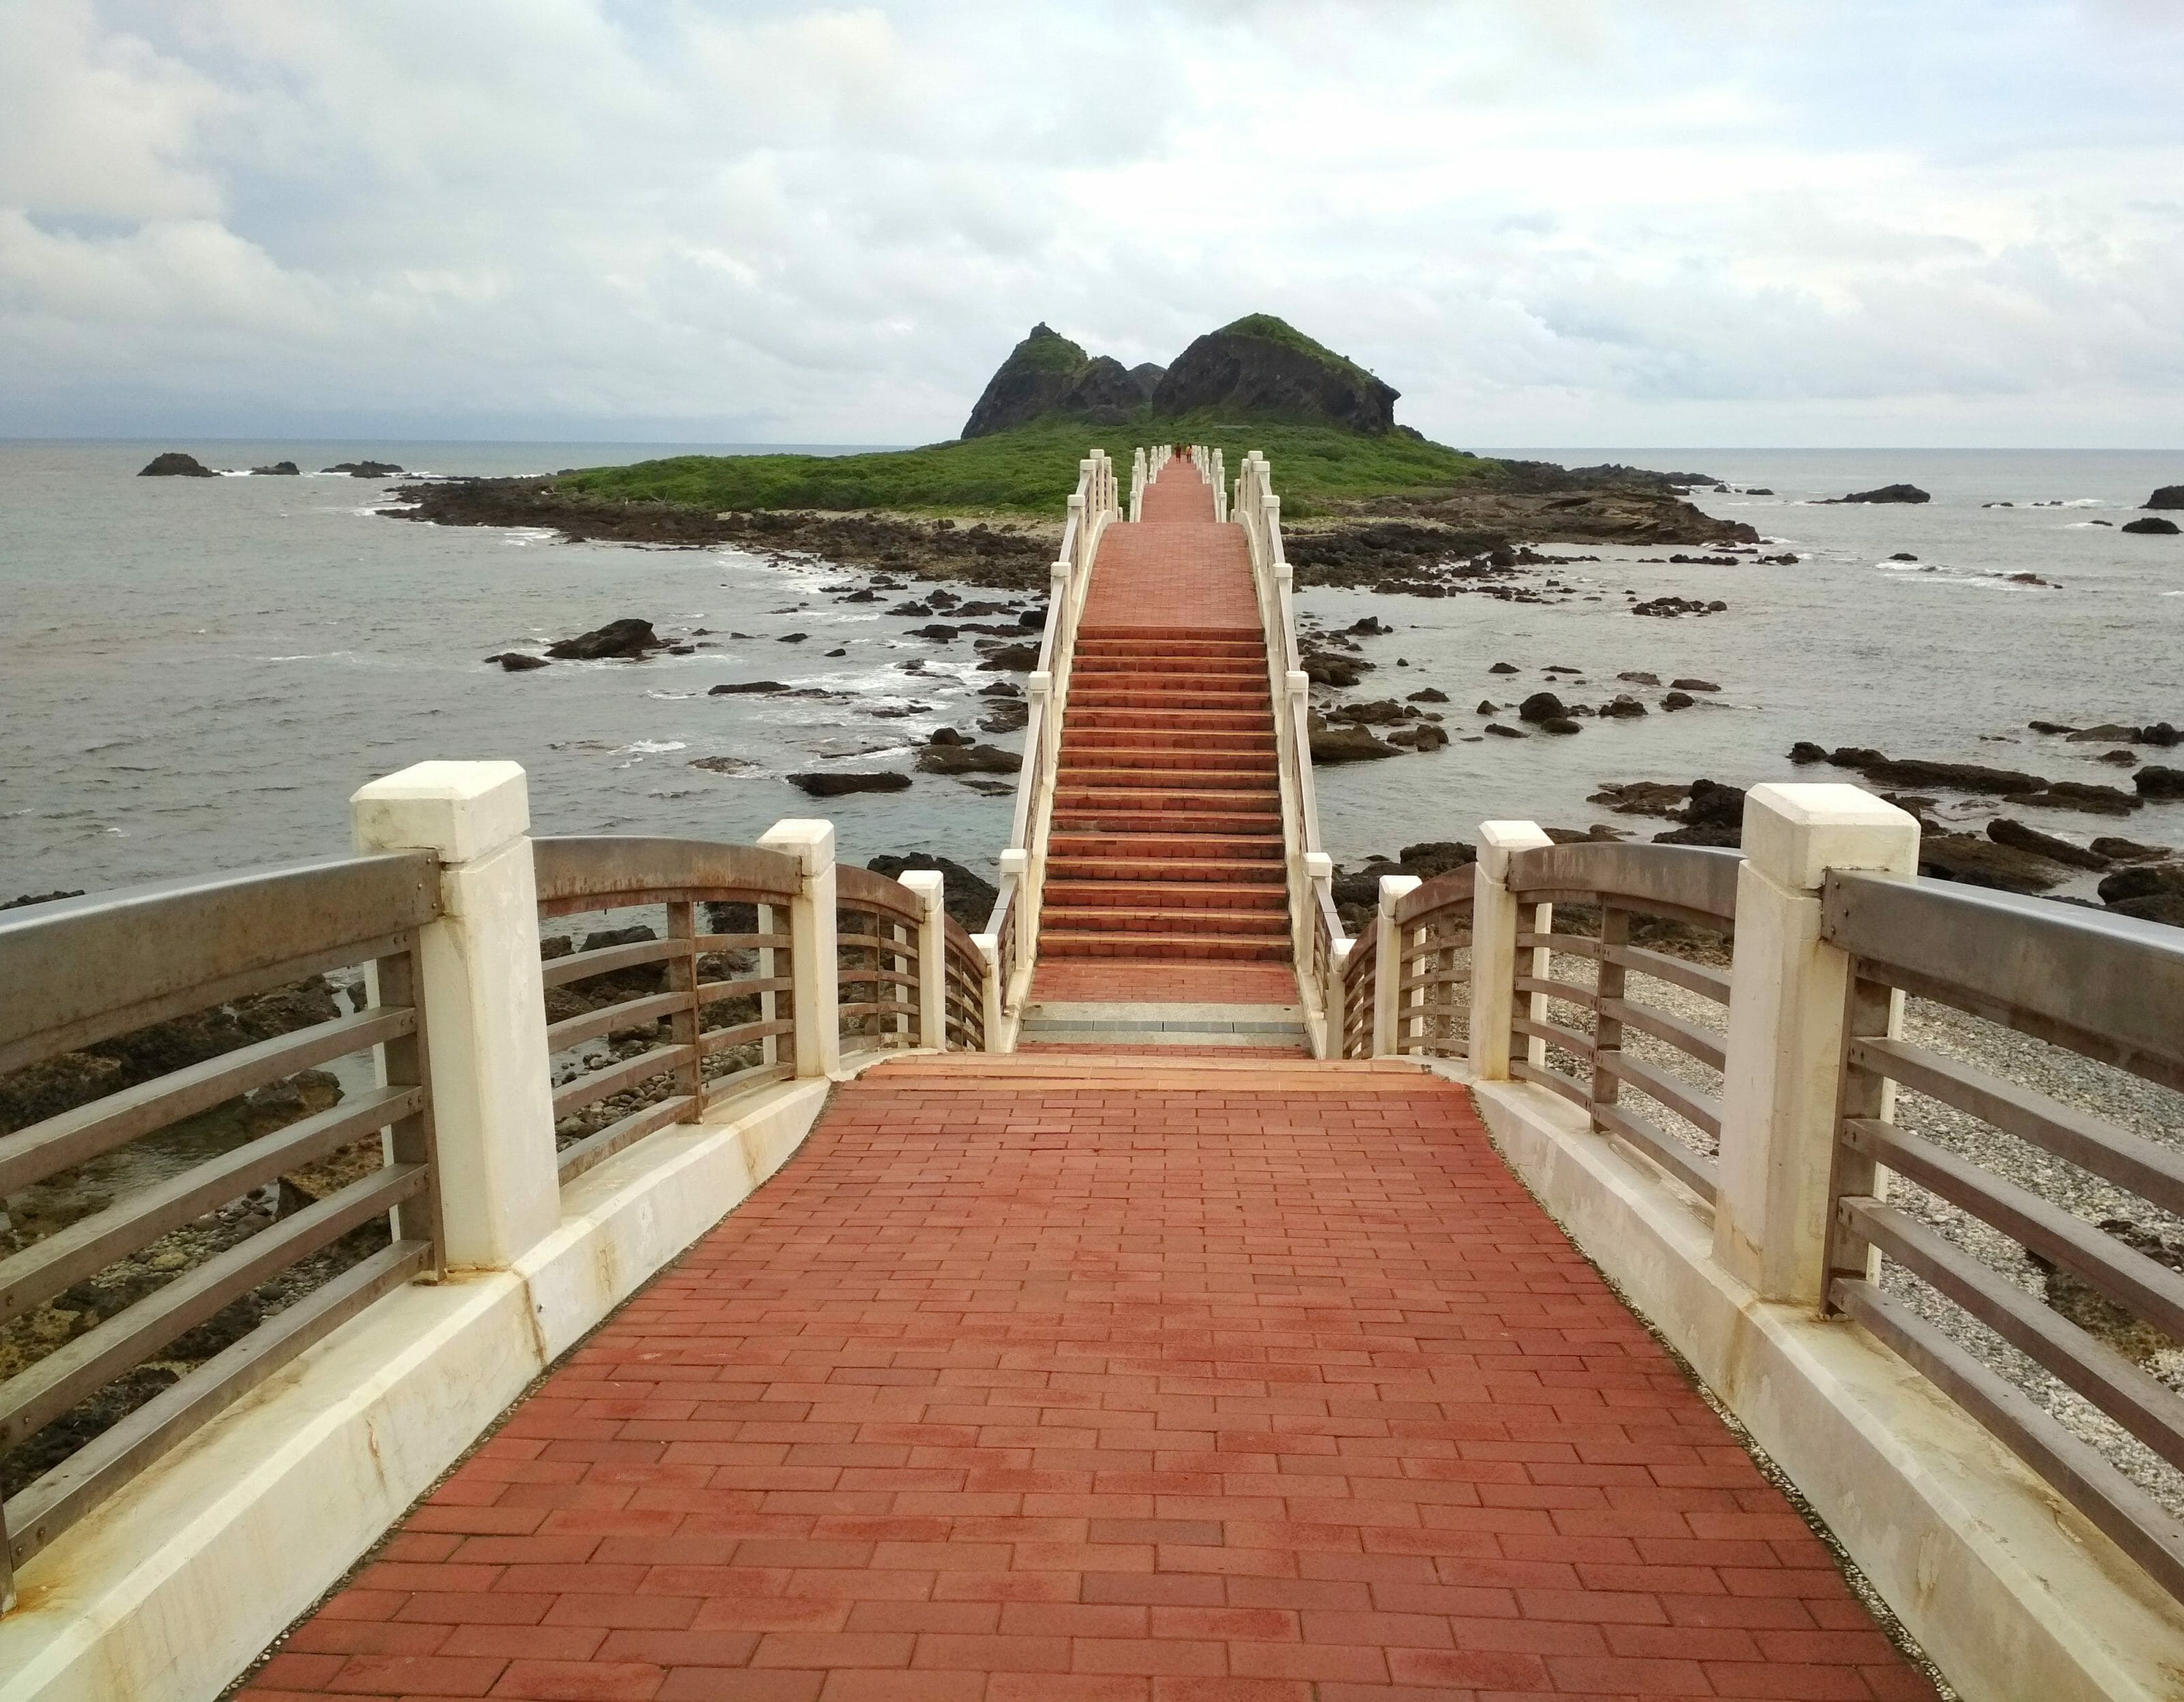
[195, 673]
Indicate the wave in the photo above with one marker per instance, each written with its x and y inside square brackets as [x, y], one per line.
[651, 748]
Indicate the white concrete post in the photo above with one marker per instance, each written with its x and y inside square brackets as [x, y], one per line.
[1388, 963]
[1017, 861]
[1494, 943]
[1039, 694]
[1312, 868]
[990, 950]
[1336, 994]
[813, 964]
[932, 957]
[1787, 1009]
[484, 1000]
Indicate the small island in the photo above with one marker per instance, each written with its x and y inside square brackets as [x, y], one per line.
[980, 507]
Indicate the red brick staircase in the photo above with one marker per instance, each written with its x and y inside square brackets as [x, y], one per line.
[1166, 834]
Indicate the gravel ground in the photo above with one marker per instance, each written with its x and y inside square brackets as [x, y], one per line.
[2125, 1100]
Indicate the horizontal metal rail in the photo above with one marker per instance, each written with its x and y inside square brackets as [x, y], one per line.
[79, 970]
[1690, 882]
[2076, 1471]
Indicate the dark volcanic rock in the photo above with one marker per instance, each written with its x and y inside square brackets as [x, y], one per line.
[1887, 494]
[1047, 373]
[1980, 862]
[965, 896]
[1713, 816]
[1560, 723]
[365, 470]
[766, 688]
[2126, 884]
[628, 638]
[2151, 523]
[2020, 837]
[1541, 706]
[284, 468]
[1333, 745]
[1261, 365]
[517, 662]
[1678, 700]
[1625, 707]
[1015, 659]
[1432, 694]
[1503, 668]
[1805, 751]
[2167, 496]
[1146, 376]
[175, 465]
[968, 759]
[2131, 851]
[1689, 685]
[836, 783]
[2075, 794]
[1949, 776]
[2154, 781]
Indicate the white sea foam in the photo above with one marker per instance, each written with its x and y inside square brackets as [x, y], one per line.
[652, 748]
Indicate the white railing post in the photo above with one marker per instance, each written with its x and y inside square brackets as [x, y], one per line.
[1493, 944]
[1336, 993]
[812, 964]
[484, 999]
[989, 951]
[1388, 963]
[1017, 861]
[1788, 1007]
[932, 956]
[1038, 699]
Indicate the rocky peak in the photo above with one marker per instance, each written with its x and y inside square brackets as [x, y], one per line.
[1031, 382]
[1263, 366]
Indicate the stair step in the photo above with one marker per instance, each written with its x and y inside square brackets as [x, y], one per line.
[1151, 876]
[1149, 851]
[1131, 825]
[1072, 890]
[1095, 717]
[1095, 761]
[1091, 740]
[1092, 919]
[1149, 663]
[1169, 780]
[1200, 944]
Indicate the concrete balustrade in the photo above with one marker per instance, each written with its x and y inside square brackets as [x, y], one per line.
[1388, 963]
[932, 956]
[812, 956]
[479, 966]
[1787, 1011]
[1493, 944]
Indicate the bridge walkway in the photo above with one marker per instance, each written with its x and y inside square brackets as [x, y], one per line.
[1088, 1379]
[1165, 915]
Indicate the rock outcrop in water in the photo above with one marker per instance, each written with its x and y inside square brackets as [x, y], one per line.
[2167, 496]
[365, 470]
[175, 465]
[627, 639]
[1886, 494]
[2153, 525]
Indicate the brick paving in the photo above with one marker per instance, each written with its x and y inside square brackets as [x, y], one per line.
[1101, 1380]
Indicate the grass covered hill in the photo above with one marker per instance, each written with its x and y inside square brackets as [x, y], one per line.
[1259, 383]
[1030, 469]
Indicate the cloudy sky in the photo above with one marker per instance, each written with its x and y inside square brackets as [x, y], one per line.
[1568, 222]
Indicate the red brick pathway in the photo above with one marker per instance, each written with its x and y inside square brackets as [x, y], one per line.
[1095, 1381]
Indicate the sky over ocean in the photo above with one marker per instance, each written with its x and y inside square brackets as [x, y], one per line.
[1643, 222]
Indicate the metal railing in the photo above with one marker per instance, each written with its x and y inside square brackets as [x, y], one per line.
[715, 975]
[876, 923]
[2109, 990]
[1311, 873]
[142, 977]
[1586, 1056]
[1013, 929]
[1431, 930]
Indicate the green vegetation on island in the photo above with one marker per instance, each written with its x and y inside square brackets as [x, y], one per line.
[1028, 469]
[1259, 383]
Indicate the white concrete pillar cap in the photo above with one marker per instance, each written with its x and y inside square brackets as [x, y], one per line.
[1795, 832]
[1318, 866]
[461, 809]
[926, 884]
[808, 839]
[1499, 841]
[1393, 888]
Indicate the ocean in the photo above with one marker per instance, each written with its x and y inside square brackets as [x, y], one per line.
[195, 673]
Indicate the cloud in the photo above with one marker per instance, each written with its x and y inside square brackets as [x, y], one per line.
[1566, 220]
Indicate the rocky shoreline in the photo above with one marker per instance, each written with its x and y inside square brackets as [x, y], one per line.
[1402, 544]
